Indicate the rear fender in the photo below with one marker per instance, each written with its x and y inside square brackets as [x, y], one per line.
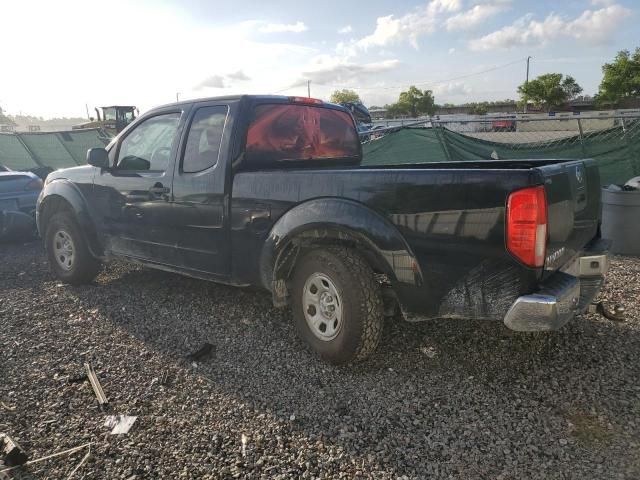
[330, 221]
[61, 194]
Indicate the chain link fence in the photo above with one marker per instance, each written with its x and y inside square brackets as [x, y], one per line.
[612, 140]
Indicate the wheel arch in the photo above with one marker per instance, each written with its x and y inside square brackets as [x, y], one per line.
[351, 224]
[61, 195]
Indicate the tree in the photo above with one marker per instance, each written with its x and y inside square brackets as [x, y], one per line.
[393, 110]
[416, 102]
[621, 77]
[550, 90]
[345, 95]
[478, 108]
[4, 120]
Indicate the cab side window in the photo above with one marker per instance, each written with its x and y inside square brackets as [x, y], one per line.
[149, 145]
[204, 138]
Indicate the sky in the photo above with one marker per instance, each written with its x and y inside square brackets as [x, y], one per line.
[60, 55]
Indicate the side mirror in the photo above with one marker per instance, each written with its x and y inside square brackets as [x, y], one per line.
[98, 157]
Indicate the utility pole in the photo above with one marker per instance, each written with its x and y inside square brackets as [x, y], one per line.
[177, 96]
[526, 82]
[86, 105]
[309, 88]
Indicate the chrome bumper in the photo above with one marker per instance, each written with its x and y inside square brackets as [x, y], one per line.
[567, 293]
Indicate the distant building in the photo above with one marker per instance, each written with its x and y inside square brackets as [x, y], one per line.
[506, 107]
[377, 113]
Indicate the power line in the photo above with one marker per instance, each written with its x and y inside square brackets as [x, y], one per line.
[437, 82]
[285, 89]
[291, 87]
[391, 87]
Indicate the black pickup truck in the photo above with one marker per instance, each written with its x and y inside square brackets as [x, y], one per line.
[269, 191]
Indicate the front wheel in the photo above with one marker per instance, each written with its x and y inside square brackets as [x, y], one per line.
[337, 304]
[67, 251]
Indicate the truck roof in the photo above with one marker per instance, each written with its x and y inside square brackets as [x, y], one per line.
[236, 98]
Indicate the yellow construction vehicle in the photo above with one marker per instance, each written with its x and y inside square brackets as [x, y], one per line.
[113, 119]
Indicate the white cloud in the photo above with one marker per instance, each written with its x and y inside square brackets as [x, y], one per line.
[25, 88]
[297, 27]
[451, 89]
[594, 27]
[476, 15]
[452, 50]
[333, 70]
[391, 29]
[222, 81]
[238, 76]
[346, 29]
[214, 81]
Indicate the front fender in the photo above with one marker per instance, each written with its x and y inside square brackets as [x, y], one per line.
[59, 190]
[356, 221]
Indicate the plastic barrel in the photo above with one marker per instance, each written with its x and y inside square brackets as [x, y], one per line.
[621, 220]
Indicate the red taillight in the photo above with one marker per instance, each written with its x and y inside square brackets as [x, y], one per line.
[527, 225]
[307, 100]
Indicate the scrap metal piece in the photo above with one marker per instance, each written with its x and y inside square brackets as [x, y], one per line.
[42, 459]
[13, 453]
[95, 383]
[120, 424]
[616, 315]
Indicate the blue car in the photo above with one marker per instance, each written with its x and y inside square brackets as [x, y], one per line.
[18, 196]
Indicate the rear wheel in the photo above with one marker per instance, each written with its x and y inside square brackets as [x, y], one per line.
[67, 250]
[337, 304]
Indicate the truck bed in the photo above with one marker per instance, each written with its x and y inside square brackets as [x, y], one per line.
[452, 216]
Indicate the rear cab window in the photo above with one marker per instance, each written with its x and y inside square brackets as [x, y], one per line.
[300, 133]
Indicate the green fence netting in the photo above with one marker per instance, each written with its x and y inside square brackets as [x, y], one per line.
[616, 149]
[47, 150]
[13, 153]
[30, 151]
[78, 142]
[407, 145]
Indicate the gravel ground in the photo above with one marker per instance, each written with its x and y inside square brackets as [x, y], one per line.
[445, 399]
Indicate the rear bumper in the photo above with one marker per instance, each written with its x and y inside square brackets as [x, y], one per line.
[24, 202]
[564, 295]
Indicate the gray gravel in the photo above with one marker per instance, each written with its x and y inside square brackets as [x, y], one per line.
[446, 399]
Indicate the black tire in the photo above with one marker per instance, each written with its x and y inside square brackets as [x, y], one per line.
[362, 308]
[84, 266]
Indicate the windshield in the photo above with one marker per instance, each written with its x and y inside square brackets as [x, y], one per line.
[125, 116]
[109, 113]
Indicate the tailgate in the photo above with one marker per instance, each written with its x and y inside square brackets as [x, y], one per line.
[573, 198]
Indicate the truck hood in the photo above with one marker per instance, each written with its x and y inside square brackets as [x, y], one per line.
[73, 173]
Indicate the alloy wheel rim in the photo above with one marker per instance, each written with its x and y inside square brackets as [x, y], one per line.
[322, 305]
[63, 249]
